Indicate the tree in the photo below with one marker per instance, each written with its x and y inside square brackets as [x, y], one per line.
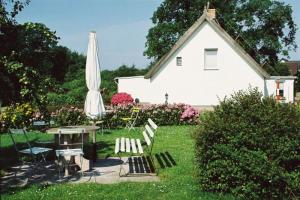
[9, 10]
[264, 28]
[73, 90]
[25, 58]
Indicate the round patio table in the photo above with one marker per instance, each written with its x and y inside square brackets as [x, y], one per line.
[88, 129]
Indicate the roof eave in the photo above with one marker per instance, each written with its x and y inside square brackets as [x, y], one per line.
[219, 30]
[238, 48]
[175, 47]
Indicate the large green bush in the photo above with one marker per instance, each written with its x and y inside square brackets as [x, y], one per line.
[250, 146]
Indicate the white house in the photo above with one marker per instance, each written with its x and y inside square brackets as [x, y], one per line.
[205, 65]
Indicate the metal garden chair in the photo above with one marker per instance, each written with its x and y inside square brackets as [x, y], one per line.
[134, 146]
[41, 126]
[37, 154]
[131, 121]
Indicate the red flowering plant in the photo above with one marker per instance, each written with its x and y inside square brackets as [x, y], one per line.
[121, 98]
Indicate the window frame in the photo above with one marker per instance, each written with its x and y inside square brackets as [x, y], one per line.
[281, 89]
[210, 50]
[178, 60]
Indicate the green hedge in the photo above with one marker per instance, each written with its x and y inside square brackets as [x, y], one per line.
[250, 146]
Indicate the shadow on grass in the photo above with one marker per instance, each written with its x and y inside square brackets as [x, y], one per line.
[104, 149]
[165, 160]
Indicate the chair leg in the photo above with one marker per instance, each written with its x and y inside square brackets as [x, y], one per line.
[81, 161]
[121, 166]
[58, 164]
[152, 160]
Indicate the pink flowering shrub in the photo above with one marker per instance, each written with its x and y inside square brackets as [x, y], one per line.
[162, 114]
[121, 98]
[189, 114]
[69, 116]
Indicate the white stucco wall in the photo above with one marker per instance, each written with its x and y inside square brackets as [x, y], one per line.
[192, 84]
[136, 86]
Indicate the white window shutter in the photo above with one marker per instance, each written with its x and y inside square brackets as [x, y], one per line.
[211, 59]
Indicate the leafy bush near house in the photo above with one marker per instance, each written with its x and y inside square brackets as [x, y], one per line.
[249, 146]
[72, 92]
[121, 98]
[69, 116]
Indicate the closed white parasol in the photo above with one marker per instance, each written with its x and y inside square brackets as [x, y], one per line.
[93, 106]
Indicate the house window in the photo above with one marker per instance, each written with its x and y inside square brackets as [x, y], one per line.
[281, 90]
[179, 61]
[210, 59]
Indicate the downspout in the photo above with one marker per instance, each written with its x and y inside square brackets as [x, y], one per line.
[116, 80]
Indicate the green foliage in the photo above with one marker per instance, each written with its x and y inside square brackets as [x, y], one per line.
[264, 28]
[31, 86]
[69, 116]
[73, 91]
[25, 62]
[17, 116]
[30, 61]
[10, 8]
[249, 146]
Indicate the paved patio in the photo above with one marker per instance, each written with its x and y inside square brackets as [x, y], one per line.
[104, 171]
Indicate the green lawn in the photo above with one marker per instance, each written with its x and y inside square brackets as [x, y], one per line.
[178, 182]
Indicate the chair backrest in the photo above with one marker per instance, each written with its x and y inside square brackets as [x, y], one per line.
[13, 132]
[70, 132]
[39, 123]
[135, 113]
[149, 133]
[152, 124]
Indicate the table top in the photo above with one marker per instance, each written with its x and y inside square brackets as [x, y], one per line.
[87, 128]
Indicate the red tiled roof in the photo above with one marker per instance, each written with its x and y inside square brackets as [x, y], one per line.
[294, 66]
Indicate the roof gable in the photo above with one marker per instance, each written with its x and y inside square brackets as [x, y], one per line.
[221, 32]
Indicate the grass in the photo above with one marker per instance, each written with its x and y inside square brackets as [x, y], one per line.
[177, 182]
